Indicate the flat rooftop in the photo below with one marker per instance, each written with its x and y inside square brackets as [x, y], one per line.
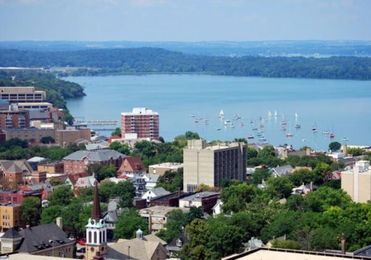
[200, 195]
[139, 111]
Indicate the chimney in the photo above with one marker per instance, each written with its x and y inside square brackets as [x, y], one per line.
[343, 245]
[59, 222]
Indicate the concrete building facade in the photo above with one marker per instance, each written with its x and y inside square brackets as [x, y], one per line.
[22, 94]
[210, 165]
[357, 182]
[141, 121]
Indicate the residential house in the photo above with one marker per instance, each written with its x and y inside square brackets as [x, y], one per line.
[138, 248]
[131, 165]
[85, 182]
[204, 199]
[154, 193]
[282, 170]
[157, 216]
[176, 245]
[13, 171]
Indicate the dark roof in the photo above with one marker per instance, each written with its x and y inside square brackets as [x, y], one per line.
[41, 237]
[11, 233]
[16, 166]
[100, 155]
[365, 251]
[174, 245]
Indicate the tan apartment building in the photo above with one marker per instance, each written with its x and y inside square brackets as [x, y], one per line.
[141, 121]
[210, 165]
[22, 94]
[357, 182]
[10, 215]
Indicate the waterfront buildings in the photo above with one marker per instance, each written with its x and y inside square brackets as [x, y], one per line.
[22, 94]
[141, 122]
[62, 137]
[210, 165]
[357, 181]
[78, 161]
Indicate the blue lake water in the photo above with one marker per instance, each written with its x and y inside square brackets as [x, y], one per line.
[342, 107]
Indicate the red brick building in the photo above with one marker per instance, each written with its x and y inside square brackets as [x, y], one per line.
[78, 162]
[14, 119]
[16, 197]
[141, 121]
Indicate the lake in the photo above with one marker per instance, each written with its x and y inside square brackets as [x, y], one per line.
[193, 102]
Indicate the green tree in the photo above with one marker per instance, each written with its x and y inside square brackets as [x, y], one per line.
[236, 197]
[171, 180]
[47, 140]
[125, 190]
[31, 209]
[326, 197]
[279, 187]
[198, 233]
[62, 196]
[101, 172]
[259, 175]
[224, 240]
[117, 131]
[287, 244]
[49, 214]
[334, 146]
[304, 176]
[129, 222]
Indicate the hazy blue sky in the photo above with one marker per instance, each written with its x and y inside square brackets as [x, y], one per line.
[185, 20]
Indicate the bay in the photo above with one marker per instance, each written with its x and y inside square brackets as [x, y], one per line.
[185, 102]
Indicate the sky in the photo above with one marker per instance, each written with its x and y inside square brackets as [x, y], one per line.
[185, 20]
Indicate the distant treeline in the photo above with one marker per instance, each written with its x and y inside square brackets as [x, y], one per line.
[155, 60]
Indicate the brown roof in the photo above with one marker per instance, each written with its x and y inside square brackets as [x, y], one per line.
[131, 164]
[16, 166]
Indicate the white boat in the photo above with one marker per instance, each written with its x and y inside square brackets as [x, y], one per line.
[289, 135]
[221, 114]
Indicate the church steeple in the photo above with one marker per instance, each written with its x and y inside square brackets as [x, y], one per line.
[96, 230]
[95, 213]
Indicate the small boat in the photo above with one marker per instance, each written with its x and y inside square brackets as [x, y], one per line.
[325, 132]
[255, 129]
[218, 129]
[250, 137]
[283, 123]
[242, 124]
[314, 130]
[331, 136]
[297, 126]
[289, 135]
[221, 114]
[283, 129]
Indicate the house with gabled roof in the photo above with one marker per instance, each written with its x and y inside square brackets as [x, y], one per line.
[78, 161]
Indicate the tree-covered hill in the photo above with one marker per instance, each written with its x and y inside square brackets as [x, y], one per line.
[156, 60]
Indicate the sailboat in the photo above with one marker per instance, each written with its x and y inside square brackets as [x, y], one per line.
[297, 125]
[221, 114]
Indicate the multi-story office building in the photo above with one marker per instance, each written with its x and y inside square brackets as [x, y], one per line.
[141, 121]
[357, 182]
[22, 94]
[12, 117]
[210, 165]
